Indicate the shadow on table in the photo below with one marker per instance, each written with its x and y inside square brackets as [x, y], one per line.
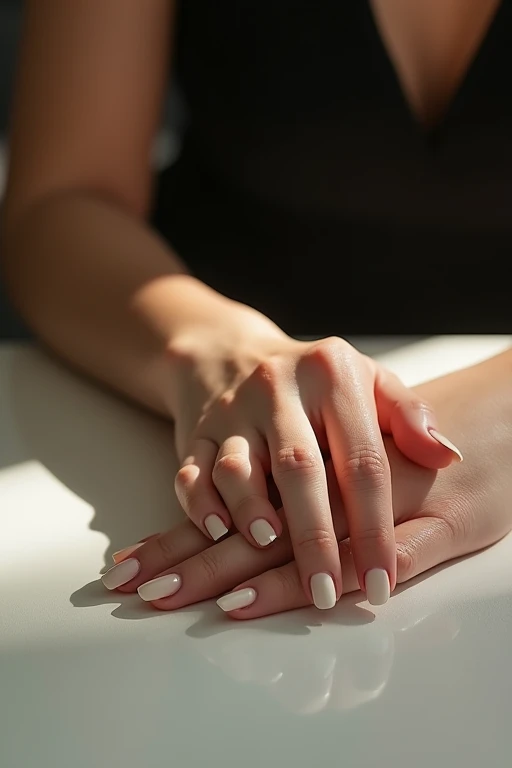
[117, 458]
[120, 461]
[213, 622]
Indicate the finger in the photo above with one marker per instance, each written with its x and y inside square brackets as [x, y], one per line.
[197, 494]
[280, 589]
[412, 422]
[155, 555]
[239, 478]
[212, 572]
[122, 554]
[421, 543]
[299, 473]
[362, 470]
[159, 552]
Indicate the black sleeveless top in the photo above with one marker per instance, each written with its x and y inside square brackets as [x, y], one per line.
[306, 188]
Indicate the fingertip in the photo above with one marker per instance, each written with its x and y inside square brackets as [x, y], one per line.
[414, 430]
[216, 527]
[262, 533]
[455, 453]
[377, 586]
[419, 446]
[324, 591]
[237, 600]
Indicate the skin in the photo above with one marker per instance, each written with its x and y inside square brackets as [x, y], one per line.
[279, 416]
[106, 294]
[438, 515]
[431, 44]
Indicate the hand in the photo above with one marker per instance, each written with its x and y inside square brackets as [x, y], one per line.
[252, 401]
[439, 516]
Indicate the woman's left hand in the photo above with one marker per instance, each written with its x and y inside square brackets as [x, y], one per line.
[438, 516]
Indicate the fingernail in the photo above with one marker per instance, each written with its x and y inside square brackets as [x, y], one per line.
[162, 586]
[215, 527]
[262, 533]
[377, 587]
[447, 443]
[121, 573]
[323, 591]
[122, 554]
[241, 598]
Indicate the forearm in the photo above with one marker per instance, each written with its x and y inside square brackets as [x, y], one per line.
[104, 292]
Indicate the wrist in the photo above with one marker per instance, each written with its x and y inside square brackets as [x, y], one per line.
[204, 338]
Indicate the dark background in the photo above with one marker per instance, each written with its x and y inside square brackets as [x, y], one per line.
[10, 21]
[10, 18]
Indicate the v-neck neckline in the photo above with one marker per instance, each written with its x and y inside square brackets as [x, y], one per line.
[421, 128]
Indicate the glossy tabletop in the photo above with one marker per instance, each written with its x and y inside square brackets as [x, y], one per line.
[90, 679]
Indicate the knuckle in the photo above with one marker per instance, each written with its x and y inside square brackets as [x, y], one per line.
[365, 469]
[230, 465]
[377, 537]
[406, 563]
[296, 460]
[185, 476]
[249, 500]
[210, 566]
[330, 354]
[333, 346]
[267, 375]
[415, 404]
[456, 523]
[285, 580]
[167, 549]
[421, 405]
[226, 399]
[317, 539]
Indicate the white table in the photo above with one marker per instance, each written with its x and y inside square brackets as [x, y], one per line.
[90, 680]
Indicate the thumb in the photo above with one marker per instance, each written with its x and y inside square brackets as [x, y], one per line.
[422, 544]
[412, 423]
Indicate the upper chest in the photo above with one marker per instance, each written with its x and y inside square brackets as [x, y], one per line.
[431, 44]
[298, 60]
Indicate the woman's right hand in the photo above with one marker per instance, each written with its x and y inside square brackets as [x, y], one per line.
[438, 516]
[250, 402]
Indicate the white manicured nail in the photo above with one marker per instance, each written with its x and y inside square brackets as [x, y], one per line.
[215, 527]
[162, 586]
[323, 591]
[447, 443]
[121, 573]
[241, 598]
[262, 533]
[377, 587]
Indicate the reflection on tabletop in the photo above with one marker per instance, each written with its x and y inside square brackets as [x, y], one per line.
[341, 670]
[96, 678]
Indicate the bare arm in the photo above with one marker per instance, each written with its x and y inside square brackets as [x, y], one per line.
[81, 264]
